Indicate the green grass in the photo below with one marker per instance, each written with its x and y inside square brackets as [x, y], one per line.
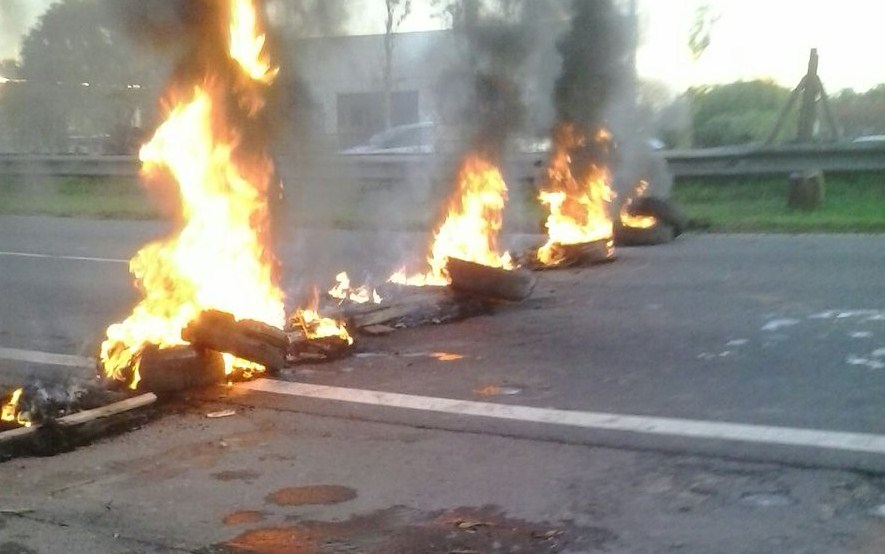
[95, 198]
[853, 204]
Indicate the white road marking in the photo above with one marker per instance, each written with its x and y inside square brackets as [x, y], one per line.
[827, 440]
[33, 357]
[68, 258]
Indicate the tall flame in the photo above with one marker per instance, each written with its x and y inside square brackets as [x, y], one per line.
[579, 205]
[247, 43]
[470, 230]
[219, 258]
[11, 413]
[636, 221]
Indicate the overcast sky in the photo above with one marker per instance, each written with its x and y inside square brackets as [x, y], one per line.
[752, 39]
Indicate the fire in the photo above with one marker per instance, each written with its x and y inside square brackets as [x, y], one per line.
[219, 257]
[317, 327]
[470, 230]
[579, 205]
[343, 291]
[637, 221]
[10, 412]
[247, 43]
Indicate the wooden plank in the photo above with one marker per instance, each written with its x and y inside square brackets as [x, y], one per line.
[110, 410]
[415, 306]
[248, 340]
[16, 435]
[75, 429]
[489, 282]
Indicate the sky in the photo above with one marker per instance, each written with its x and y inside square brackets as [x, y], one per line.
[752, 39]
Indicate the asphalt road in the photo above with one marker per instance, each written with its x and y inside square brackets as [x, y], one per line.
[270, 482]
[773, 330]
[764, 330]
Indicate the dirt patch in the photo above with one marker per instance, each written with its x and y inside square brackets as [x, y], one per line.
[404, 531]
[310, 496]
[237, 475]
[244, 517]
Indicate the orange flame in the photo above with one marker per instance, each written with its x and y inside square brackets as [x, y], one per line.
[10, 412]
[470, 230]
[316, 326]
[247, 43]
[637, 221]
[218, 259]
[579, 205]
[343, 291]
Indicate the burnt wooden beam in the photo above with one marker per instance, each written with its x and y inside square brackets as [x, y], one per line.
[59, 435]
[179, 368]
[250, 340]
[416, 306]
[303, 349]
[490, 282]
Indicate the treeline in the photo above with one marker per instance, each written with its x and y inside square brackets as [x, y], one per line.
[747, 111]
[80, 85]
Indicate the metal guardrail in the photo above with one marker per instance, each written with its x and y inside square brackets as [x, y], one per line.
[777, 160]
[68, 166]
[715, 162]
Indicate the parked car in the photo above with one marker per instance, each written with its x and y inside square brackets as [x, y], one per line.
[415, 138]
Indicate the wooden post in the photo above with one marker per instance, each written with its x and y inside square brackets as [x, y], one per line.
[806, 190]
[808, 113]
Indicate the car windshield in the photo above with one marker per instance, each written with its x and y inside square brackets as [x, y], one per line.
[442, 276]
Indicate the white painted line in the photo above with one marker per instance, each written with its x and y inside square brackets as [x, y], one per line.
[45, 358]
[786, 436]
[68, 258]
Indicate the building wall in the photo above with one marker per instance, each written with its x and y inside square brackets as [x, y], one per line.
[354, 65]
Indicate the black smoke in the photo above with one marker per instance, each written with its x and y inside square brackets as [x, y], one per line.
[595, 57]
[498, 42]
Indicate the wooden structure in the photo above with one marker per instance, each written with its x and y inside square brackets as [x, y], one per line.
[813, 96]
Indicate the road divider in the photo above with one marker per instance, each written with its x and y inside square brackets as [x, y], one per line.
[812, 447]
[62, 257]
[45, 358]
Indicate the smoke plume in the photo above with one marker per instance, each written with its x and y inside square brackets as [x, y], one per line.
[596, 90]
[491, 107]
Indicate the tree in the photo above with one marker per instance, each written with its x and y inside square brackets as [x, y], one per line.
[860, 114]
[735, 113]
[80, 77]
[700, 36]
[397, 12]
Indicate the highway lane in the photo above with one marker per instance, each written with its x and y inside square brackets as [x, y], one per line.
[765, 330]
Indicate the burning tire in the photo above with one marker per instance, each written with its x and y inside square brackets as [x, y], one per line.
[660, 233]
[665, 211]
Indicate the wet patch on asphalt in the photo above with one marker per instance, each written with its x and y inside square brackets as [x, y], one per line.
[236, 475]
[244, 517]
[403, 530]
[311, 496]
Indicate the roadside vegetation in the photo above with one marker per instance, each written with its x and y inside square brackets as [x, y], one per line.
[75, 197]
[853, 204]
